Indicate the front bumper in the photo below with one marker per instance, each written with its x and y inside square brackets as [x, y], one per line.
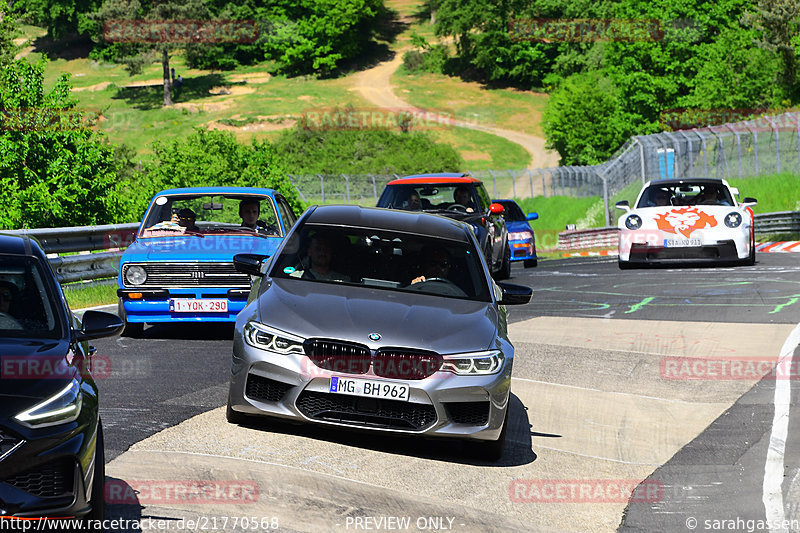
[712, 246]
[442, 405]
[523, 250]
[154, 304]
[49, 475]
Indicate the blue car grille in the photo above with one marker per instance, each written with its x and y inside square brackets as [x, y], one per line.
[190, 275]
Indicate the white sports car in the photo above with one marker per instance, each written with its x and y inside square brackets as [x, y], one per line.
[690, 219]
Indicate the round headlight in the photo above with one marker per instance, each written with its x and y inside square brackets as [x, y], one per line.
[633, 222]
[136, 275]
[733, 219]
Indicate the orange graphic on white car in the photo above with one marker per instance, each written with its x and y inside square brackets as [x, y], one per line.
[685, 221]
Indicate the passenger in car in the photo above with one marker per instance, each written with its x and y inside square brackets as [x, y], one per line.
[186, 218]
[317, 264]
[8, 291]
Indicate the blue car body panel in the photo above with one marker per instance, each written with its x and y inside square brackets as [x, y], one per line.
[191, 252]
[521, 249]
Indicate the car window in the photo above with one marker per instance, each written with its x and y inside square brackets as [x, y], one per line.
[382, 259]
[685, 194]
[286, 212]
[430, 197]
[485, 201]
[26, 300]
[512, 212]
[204, 214]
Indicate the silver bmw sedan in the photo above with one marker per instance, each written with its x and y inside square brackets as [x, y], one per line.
[380, 320]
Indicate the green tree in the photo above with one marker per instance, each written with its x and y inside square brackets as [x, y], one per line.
[55, 170]
[778, 22]
[60, 17]
[8, 30]
[584, 120]
[113, 22]
[209, 158]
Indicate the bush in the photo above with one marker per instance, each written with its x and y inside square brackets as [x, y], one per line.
[433, 59]
[208, 158]
[363, 151]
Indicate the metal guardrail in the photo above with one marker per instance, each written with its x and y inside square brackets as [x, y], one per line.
[84, 239]
[781, 222]
[766, 223]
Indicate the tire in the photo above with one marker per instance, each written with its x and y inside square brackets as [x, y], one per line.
[505, 267]
[491, 450]
[751, 260]
[235, 417]
[131, 329]
[98, 511]
[530, 263]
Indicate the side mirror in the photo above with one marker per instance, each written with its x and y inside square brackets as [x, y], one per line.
[249, 263]
[749, 202]
[515, 294]
[532, 216]
[98, 324]
[497, 209]
[623, 204]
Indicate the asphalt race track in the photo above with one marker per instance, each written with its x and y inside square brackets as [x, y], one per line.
[638, 403]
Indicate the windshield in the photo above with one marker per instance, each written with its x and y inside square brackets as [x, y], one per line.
[202, 215]
[421, 197]
[659, 195]
[383, 259]
[26, 302]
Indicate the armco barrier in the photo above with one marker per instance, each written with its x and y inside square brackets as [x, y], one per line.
[766, 223]
[84, 239]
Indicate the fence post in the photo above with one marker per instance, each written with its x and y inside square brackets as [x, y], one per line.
[704, 148]
[777, 146]
[544, 187]
[530, 181]
[322, 187]
[738, 147]
[374, 188]
[641, 157]
[690, 165]
[347, 187]
[302, 196]
[755, 145]
[721, 150]
[797, 137]
[513, 184]
[494, 184]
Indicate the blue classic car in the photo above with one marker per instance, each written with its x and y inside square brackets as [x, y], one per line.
[180, 267]
[521, 239]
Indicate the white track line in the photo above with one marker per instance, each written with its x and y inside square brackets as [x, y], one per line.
[773, 469]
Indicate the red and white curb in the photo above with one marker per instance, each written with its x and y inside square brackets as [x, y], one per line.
[593, 254]
[778, 247]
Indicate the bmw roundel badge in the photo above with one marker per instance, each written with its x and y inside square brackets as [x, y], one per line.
[374, 336]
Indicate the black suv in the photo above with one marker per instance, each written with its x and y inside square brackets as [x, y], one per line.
[458, 196]
[51, 438]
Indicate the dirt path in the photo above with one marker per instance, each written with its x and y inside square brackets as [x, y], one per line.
[376, 87]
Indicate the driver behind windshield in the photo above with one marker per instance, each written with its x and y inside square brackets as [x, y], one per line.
[249, 210]
[436, 264]
[462, 196]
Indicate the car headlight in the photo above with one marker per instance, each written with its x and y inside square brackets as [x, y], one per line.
[473, 364]
[733, 219]
[520, 236]
[135, 275]
[263, 337]
[633, 222]
[60, 408]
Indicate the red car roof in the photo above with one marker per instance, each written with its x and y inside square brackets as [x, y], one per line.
[434, 179]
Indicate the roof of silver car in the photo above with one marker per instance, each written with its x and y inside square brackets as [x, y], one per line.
[389, 219]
